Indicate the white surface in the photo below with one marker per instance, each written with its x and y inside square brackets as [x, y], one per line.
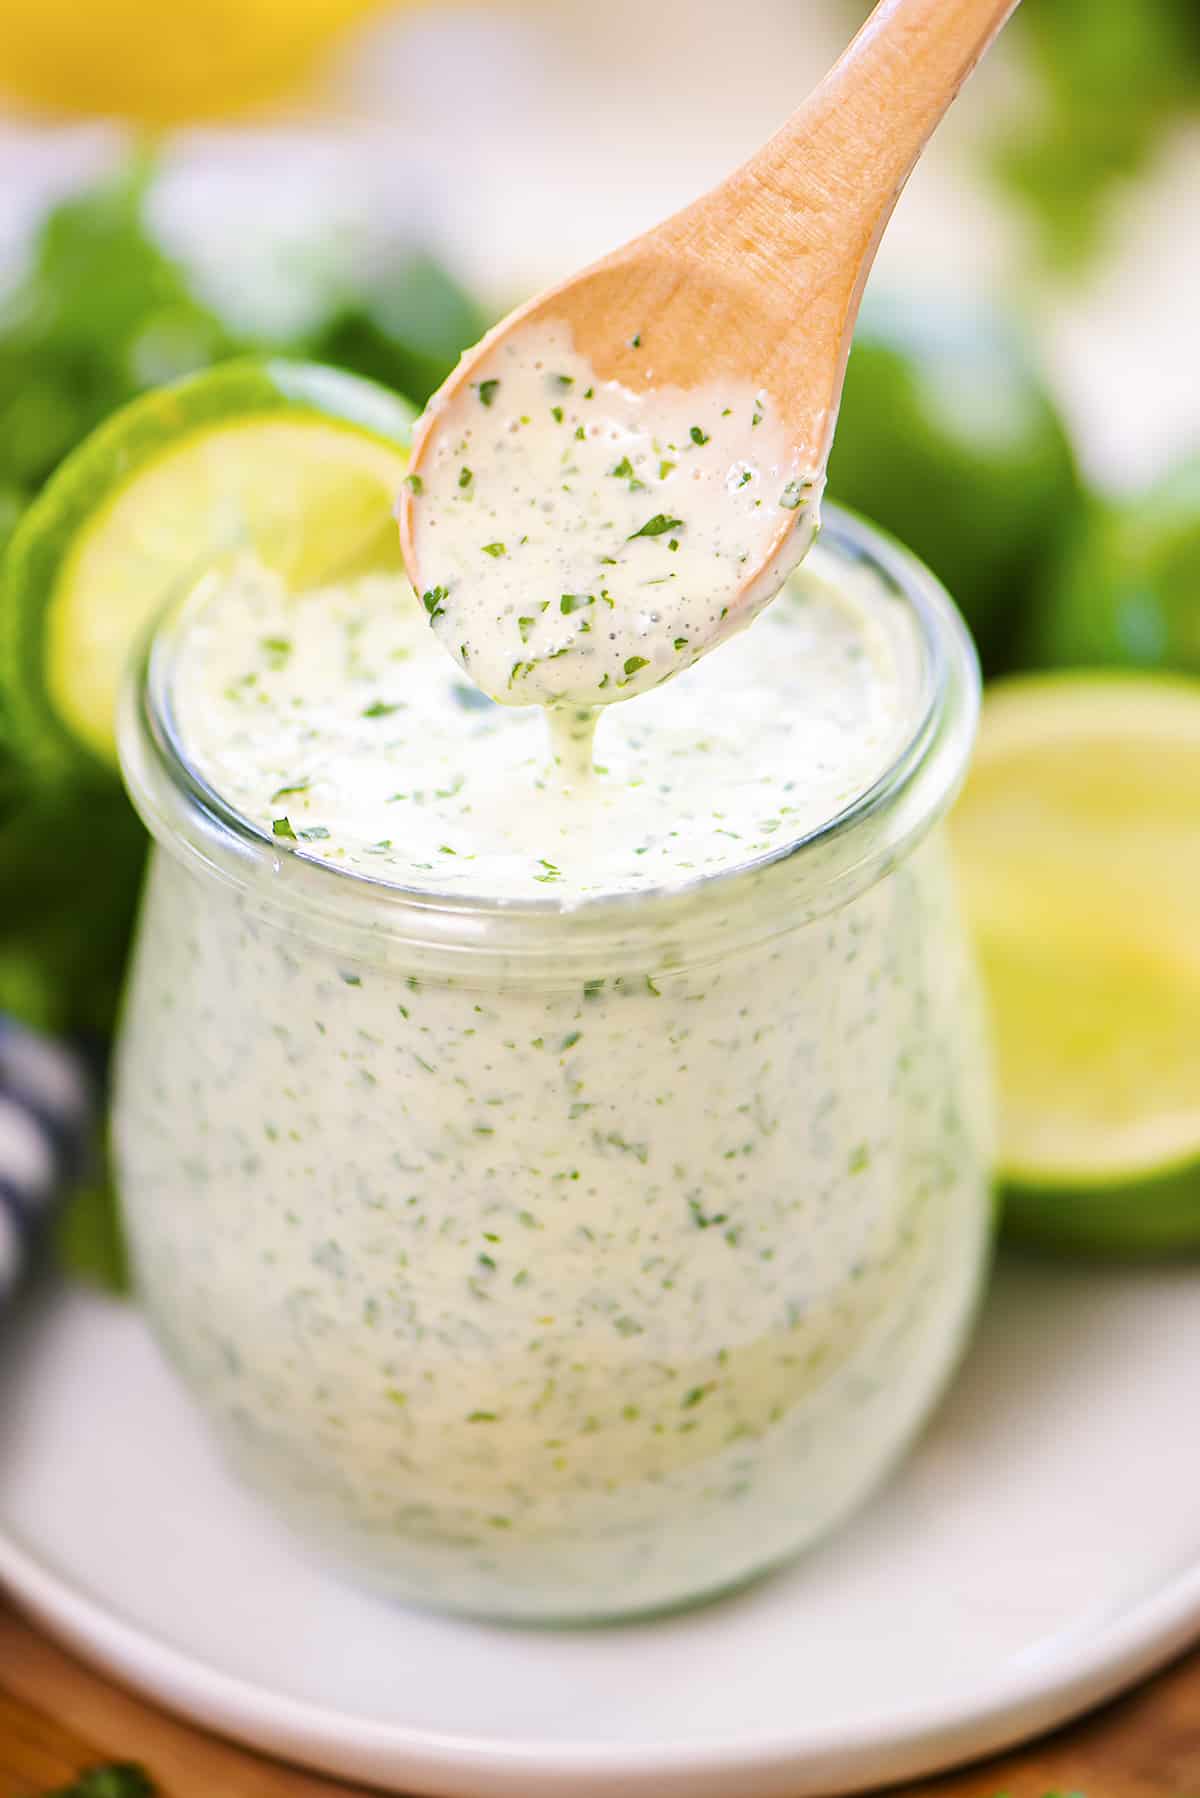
[1040, 1550]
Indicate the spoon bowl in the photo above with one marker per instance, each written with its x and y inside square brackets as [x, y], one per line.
[738, 308]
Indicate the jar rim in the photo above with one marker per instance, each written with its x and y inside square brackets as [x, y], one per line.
[844, 853]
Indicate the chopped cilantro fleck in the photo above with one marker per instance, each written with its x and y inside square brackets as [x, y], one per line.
[525, 625]
[381, 708]
[681, 643]
[488, 391]
[414, 483]
[282, 827]
[633, 663]
[657, 526]
[556, 413]
[698, 436]
[432, 599]
[575, 602]
[465, 477]
[494, 549]
[792, 495]
[297, 786]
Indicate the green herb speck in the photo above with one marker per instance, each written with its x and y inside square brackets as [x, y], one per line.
[657, 527]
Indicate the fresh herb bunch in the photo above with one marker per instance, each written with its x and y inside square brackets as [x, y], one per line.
[1112, 79]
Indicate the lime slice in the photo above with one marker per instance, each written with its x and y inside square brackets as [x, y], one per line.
[298, 462]
[1078, 838]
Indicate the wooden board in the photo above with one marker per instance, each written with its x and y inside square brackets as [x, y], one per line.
[58, 1717]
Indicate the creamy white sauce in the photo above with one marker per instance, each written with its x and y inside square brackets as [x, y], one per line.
[540, 1291]
[577, 543]
[333, 721]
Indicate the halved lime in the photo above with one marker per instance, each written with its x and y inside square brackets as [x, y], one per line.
[1078, 837]
[298, 462]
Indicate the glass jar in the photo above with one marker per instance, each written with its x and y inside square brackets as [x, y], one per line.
[562, 1263]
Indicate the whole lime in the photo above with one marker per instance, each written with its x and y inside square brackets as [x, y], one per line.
[948, 437]
[1125, 589]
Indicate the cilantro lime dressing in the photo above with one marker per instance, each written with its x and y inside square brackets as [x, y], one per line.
[579, 543]
[548, 1281]
[335, 724]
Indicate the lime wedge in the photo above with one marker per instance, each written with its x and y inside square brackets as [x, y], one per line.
[300, 463]
[1078, 838]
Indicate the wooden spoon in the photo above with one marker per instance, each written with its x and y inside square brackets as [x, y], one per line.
[759, 282]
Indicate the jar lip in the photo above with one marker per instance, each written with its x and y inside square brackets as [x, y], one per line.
[182, 809]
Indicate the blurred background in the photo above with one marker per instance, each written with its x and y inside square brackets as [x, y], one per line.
[369, 183]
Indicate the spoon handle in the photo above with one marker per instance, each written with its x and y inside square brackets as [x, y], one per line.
[799, 224]
[850, 147]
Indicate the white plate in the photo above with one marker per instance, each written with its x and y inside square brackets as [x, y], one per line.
[1039, 1551]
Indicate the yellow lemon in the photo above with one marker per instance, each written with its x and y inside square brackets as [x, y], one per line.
[161, 63]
